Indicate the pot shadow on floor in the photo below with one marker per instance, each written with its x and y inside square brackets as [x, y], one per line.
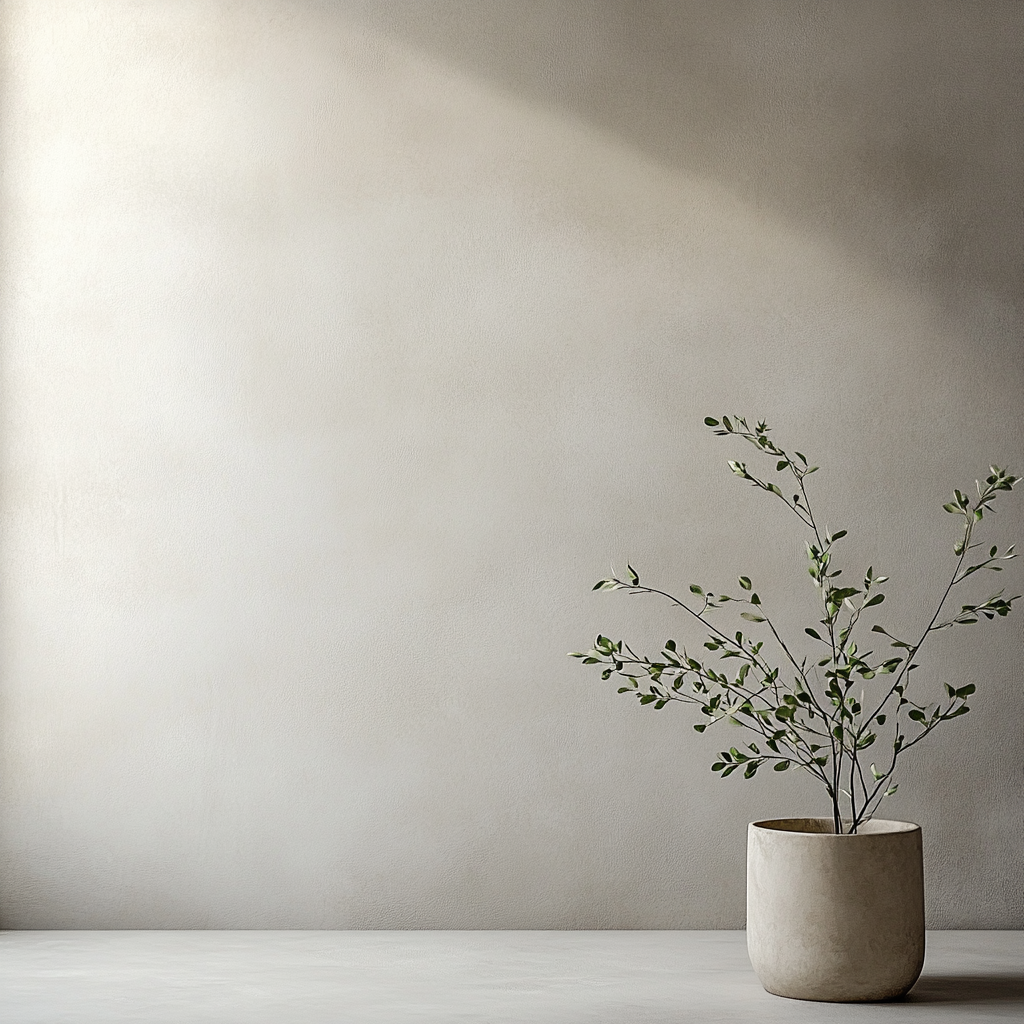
[968, 988]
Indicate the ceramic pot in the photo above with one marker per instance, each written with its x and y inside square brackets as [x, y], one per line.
[836, 918]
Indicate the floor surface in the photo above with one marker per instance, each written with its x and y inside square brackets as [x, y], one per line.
[609, 977]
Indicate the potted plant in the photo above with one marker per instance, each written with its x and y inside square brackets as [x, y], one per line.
[835, 905]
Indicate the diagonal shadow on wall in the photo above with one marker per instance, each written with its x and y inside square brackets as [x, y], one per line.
[895, 129]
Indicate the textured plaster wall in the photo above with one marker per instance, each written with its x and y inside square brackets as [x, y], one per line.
[345, 345]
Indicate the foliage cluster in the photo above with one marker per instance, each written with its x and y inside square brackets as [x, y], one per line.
[825, 712]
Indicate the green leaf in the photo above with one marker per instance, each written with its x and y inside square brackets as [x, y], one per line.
[838, 535]
[710, 422]
[876, 774]
[745, 582]
[700, 727]
[814, 633]
[729, 769]
[751, 617]
[633, 577]
[780, 766]
[647, 698]
[891, 790]
[718, 766]
[694, 589]
[872, 601]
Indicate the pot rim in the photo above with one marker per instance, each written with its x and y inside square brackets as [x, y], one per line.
[871, 827]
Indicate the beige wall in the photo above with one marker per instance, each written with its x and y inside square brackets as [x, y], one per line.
[346, 344]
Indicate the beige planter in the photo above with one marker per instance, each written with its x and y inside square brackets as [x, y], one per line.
[836, 918]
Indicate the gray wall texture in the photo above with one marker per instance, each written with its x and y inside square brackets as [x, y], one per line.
[345, 345]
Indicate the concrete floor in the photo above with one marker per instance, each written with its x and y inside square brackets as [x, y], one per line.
[480, 977]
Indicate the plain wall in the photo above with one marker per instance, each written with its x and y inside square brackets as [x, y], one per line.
[345, 345]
